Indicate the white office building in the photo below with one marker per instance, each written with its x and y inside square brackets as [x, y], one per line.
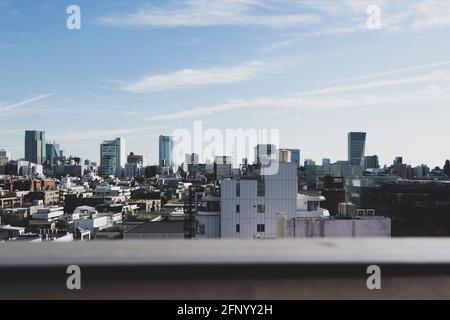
[208, 216]
[249, 207]
[49, 213]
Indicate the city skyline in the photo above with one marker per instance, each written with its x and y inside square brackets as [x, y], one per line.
[114, 149]
[224, 150]
[309, 68]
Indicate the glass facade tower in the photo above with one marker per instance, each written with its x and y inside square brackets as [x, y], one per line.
[35, 146]
[356, 148]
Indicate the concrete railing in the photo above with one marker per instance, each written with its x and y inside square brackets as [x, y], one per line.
[269, 269]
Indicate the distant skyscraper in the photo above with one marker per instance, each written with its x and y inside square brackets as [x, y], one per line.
[356, 148]
[5, 157]
[326, 165]
[447, 168]
[295, 156]
[191, 158]
[112, 157]
[35, 146]
[422, 171]
[165, 151]
[5, 153]
[223, 167]
[371, 162]
[135, 158]
[398, 161]
[134, 165]
[52, 153]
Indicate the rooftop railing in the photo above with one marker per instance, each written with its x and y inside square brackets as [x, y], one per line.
[228, 269]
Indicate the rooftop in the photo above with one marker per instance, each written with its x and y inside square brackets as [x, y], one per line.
[159, 227]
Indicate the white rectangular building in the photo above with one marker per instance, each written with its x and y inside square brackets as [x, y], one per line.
[249, 207]
[339, 227]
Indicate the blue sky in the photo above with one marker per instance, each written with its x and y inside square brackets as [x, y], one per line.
[313, 69]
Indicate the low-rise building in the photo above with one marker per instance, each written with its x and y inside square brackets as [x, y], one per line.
[8, 232]
[93, 222]
[338, 227]
[7, 202]
[48, 213]
[120, 193]
[156, 230]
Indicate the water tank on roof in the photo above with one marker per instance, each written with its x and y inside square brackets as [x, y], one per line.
[284, 155]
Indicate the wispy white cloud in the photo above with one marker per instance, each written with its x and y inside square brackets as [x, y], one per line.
[392, 72]
[203, 13]
[437, 85]
[429, 77]
[197, 77]
[420, 15]
[399, 15]
[25, 102]
[98, 134]
[300, 102]
[345, 17]
[291, 39]
[307, 18]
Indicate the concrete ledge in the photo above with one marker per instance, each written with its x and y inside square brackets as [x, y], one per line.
[236, 270]
[191, 252]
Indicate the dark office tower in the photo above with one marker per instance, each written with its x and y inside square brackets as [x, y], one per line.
[356, 147]
[447, 168]
[398, 161]
[112, 157]
[165, 151]
[51, 153]
[35, 146]
[135, 158]
[371, 162]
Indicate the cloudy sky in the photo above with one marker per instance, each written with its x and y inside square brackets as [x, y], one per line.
[310, 68]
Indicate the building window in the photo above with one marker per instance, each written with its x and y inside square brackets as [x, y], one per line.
[261, 208]
[261, 187]
[238, 189]
[238, 208]
[200, 227]
[313, 205]
[238, 228]
[261, 228]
